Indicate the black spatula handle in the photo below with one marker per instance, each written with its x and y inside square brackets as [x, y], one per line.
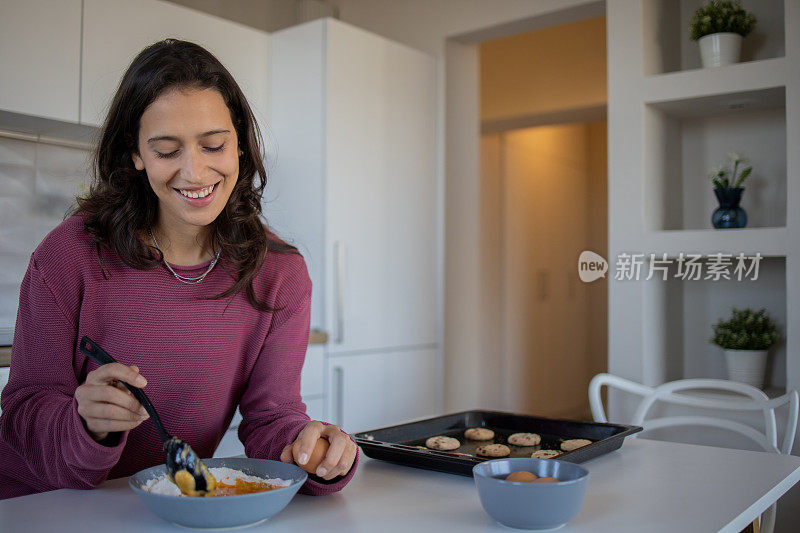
[94, 352]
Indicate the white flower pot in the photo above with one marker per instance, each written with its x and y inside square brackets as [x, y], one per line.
[747, 366]
[719, 49]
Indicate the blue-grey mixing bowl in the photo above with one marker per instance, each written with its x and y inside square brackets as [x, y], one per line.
[531, 505]
[224, 511]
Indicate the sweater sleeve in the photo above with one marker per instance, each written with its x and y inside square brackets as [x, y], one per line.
[273, 413]
[40, 419]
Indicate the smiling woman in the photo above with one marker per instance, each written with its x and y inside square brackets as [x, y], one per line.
[191, 171]
[178, 178]
[180, 121]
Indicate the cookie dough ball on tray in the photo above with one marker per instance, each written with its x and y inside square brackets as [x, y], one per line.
[442, 443]
[574, 444]
[524, 439]
[493, 450]
[479, 434]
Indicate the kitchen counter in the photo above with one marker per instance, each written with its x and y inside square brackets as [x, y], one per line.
[645, 486]
[5, 355]
[316, 336]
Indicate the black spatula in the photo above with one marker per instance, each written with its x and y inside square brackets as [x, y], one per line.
[184, 466]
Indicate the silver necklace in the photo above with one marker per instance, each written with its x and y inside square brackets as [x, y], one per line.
[184, 279]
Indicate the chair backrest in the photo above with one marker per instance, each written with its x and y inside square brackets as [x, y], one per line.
[674, 392]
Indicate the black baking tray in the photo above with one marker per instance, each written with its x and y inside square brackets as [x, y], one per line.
[405, 443]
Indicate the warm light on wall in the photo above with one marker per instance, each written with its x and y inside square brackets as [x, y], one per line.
[543, 71]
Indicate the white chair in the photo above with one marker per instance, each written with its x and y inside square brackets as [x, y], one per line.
[674, 392]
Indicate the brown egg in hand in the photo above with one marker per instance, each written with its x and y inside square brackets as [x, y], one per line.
[522, 476]
[320, 449]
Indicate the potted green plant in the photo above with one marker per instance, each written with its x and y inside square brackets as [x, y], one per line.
[746, 338]
[719, 26]
[728, 190]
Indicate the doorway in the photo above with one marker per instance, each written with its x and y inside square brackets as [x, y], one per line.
[543, 202]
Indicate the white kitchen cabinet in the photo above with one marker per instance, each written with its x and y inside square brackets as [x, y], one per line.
[115, 31]
[354, 180]
[230, 445]
[315, 408]
[40, 53]
[380, 389]
[4, 372]
[312, 381]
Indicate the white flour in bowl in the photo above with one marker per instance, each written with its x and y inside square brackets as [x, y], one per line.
[162, 484]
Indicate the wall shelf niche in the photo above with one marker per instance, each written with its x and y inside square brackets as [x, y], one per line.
[685, 311]
[671, 122]
[684, 138]
[667, 46]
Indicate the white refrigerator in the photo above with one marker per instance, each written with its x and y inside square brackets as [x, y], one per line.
[351, 146]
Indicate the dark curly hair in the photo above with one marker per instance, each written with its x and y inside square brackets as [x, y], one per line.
[121, 203]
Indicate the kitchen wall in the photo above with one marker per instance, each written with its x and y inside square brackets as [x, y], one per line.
[540, 73]
[266, 15]
[38, 184]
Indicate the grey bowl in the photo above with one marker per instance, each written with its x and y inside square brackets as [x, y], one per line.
[531, 505]
[224, 511]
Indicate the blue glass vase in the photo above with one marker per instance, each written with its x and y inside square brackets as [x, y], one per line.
[729, 214]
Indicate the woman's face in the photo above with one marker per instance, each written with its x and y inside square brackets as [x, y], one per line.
[188, 147]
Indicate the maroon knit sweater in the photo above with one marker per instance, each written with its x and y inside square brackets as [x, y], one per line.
[201, 359]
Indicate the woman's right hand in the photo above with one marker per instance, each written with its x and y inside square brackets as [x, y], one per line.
[105, 404]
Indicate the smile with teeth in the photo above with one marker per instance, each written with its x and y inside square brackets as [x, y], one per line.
[200, 193]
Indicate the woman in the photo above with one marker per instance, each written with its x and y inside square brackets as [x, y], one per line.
[166, 265]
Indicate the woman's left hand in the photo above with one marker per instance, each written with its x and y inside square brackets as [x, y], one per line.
[339, 458]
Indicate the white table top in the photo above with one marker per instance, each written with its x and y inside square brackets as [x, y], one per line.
[645, 486]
